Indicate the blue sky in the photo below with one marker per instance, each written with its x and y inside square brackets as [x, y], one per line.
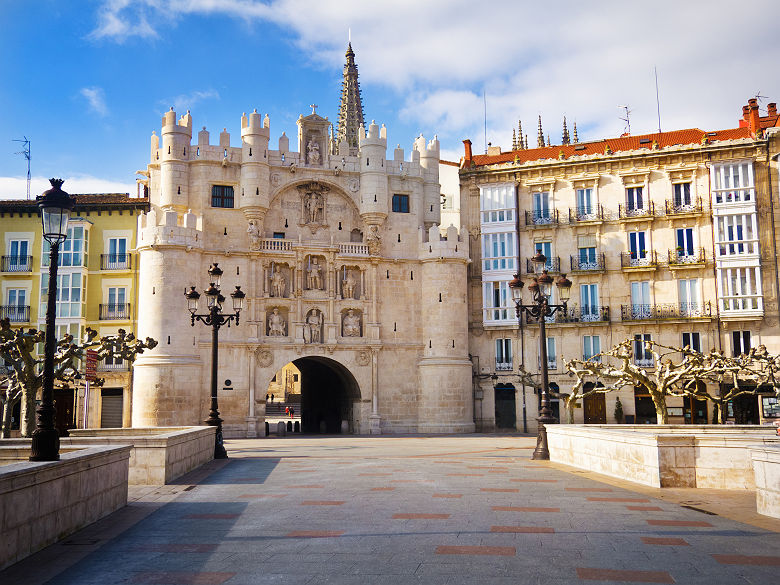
[87, 81]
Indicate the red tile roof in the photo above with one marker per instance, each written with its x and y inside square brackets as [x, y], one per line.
[620, 144]
[83, 201]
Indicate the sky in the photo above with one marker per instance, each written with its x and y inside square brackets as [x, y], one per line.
[88, 81]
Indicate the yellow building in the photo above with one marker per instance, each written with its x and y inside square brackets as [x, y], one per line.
[96, 281]
[670, 237]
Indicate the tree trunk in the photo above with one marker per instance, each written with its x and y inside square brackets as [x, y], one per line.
[662, 416]
[570, 413]
[5, 426]
[27, 422]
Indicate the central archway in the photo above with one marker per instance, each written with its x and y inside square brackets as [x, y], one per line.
[328, 391]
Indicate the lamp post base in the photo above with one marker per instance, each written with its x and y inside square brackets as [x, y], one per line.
[541, 452]
[219, 447]
[45, 445]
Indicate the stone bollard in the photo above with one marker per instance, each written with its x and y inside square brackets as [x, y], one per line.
[345, 427]
[297, 427]
[267, 429]
[289, 426]
[281, 429]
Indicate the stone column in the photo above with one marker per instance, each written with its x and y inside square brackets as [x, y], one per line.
[374, 421]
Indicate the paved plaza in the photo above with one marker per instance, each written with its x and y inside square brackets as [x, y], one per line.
[394, 510]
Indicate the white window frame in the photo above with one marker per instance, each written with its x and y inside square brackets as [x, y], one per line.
[503, 348]
[642, 357]
[497, 204]
[692, 339]
[591, 345]
[499, 251]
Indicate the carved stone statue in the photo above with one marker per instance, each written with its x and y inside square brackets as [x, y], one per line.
[277, 326]
[254, 236]
[312, 331]
[351, 324]
[315, 206]
[315, 275]
[374, 240]
[313, 152]
[348, 286]
[277, 283]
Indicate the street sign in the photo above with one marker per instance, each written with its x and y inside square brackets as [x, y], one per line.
[92, 358]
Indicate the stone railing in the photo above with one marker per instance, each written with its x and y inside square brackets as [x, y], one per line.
[276, 245]
[353, 249]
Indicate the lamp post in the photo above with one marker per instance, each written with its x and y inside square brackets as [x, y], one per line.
[216, 319]
[540, 309]
[55, 205]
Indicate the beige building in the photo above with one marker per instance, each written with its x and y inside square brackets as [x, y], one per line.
[347, 277]
[669, 236]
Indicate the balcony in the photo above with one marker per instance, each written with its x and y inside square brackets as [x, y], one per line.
[553, 264]
[631, 212]
[503, 366]
[576, 314]
[276, 245]
[643, 362]
[353, 249]
[115, 312]
[115, 262]
[118, 366]
[579, 264]
[641, 260]
[539, 218]
[684, 206]
[17, 263]
[682, 259]
[665, 311]
[15, 313]
[586, 214]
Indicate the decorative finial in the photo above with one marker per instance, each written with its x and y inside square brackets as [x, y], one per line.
[576, 138]
[565, 139]
[514, 139]
[56, 183]
[540, 134]
[520, 134]
[548, 140]
[313, 108]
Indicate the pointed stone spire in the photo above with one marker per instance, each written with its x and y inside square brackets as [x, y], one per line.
[576, 138]
[540, 134]
[351, 106]
[520, 134]
[514, 139]
[565, 139]
[548, 140]
[526, 142]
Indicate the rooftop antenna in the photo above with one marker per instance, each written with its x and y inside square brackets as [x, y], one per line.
[657, 100]
[26, 152]
[484, 103]
[349, 34]
[627, 119]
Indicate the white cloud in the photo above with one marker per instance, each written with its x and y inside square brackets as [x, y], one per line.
[96, 98]
[576, 58]
[16, 187]
[184, 102]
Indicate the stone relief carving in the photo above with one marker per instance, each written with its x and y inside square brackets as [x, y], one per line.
[277, 326]
[313, 152]
[276, 179]
[313, 205]
[374, 240]
[265, 358]
[312, 328]
[348, 285]
[278, 283]
[353, 185]
[314, 275]
[351, 324]
[363, 358]
[254, 236]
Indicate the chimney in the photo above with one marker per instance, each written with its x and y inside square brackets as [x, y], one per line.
[754, 122]
[745, 115]
[772, 109]
[467, 148]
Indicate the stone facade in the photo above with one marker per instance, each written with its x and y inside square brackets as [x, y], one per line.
[345, 271]
[670, 237]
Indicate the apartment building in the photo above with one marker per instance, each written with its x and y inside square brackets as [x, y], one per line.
[96, 288]
[670, 237]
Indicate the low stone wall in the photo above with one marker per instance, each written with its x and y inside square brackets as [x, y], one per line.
[159, 454]
[663, 455]
[43, 502]
[766, 466]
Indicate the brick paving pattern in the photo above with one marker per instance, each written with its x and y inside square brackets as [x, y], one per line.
[251, 520]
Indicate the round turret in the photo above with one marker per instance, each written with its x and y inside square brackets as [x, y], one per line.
[254, 165]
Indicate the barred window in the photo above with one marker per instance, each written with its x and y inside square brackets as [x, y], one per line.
[222, 196]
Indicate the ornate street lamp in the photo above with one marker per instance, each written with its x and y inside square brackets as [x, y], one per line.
[55, 205]
[540, 309]
[215, 318]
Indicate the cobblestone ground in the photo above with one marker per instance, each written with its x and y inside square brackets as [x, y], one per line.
[396, 510]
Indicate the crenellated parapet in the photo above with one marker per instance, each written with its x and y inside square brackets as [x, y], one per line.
[434, 246]
[165, 230]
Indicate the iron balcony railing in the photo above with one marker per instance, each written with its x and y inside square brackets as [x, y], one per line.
[15, 313]
[538, 217]
[118, 312]
[629, 211]
[17, 263]
[597, 264]
[575, 314]
[118, 366]
[683, 205]
[115, 262]
[503, 366]
[640, 259]
[665, 311]
[681, 257]
[589, 213]
[553, 264]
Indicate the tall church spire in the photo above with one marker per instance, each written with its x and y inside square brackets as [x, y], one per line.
[565, 139]
[540, 135]
[351, 106]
